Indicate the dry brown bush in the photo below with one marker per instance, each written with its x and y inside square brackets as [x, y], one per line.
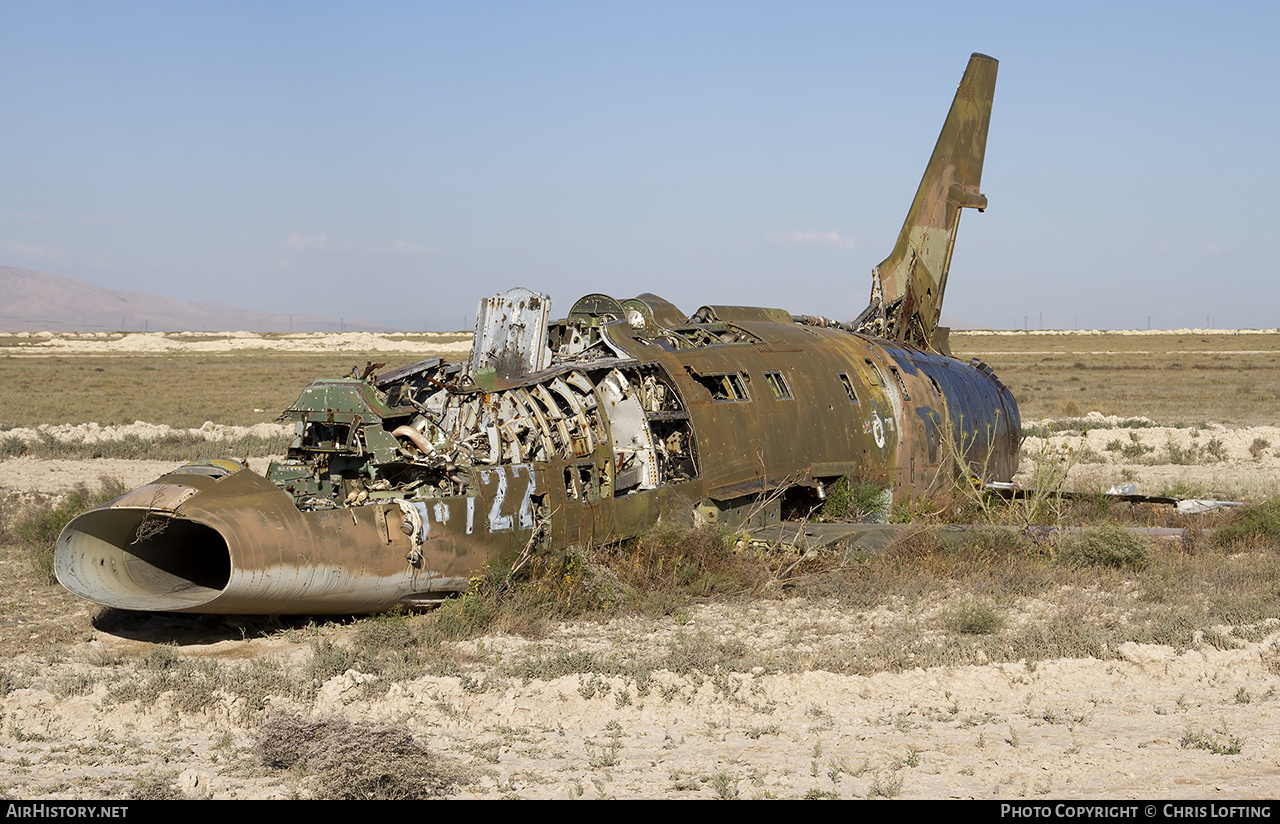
[359, 761]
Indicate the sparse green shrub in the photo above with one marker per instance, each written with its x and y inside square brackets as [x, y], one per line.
[1088, 455]
[1108, 545]
[890, 787]
[702, 653]
[388, 630]
[816, 794]
[1182, 489]
[1194, 453]
[1136, 448]
[1257, 524]
[499, 600]
[254, 681]
[1218, 742]
[972, 617]
[655, 573]
[725, 785]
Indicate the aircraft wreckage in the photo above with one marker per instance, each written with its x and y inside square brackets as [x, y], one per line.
[400, 486]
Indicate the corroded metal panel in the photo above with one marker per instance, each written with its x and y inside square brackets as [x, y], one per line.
[511, 333]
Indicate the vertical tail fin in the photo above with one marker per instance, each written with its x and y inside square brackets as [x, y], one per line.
[907, 287]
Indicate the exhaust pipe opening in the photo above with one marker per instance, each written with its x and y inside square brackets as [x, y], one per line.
[142, 559]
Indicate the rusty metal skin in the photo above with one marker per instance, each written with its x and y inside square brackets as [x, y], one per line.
[399, 488]
[238, 544]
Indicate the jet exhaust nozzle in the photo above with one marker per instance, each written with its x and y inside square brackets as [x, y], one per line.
[142, 560]
[227, 541]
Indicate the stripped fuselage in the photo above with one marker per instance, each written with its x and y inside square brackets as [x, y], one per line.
[399, 487]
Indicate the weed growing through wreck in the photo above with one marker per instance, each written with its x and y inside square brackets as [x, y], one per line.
[656, 573]
[851, 500]
[1039, 501]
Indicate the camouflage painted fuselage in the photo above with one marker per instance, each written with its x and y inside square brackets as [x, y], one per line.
[398, 488]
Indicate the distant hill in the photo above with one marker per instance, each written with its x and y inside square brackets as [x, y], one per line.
[35, 301]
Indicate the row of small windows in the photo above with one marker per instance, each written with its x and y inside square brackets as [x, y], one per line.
[732, 386]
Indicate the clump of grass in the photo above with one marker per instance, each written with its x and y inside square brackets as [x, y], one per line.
[1258, 447]
[1214, 450]
[656, 573]
[971, 617]
[174, 446]
[1107, 545]
[1135, 448]
[1218, 743]
[496, 601]
[346, 761]
[1256, 525]
[702, 653]
[725, 785]
[37, 525]
[890, 787]
[156, 787]
[1182, 489]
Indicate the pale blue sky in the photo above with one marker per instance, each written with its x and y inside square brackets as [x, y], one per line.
[401, 160]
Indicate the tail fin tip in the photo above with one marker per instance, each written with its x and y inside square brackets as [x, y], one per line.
[907, 287]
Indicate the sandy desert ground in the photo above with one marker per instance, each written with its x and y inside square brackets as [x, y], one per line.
[729, 699]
